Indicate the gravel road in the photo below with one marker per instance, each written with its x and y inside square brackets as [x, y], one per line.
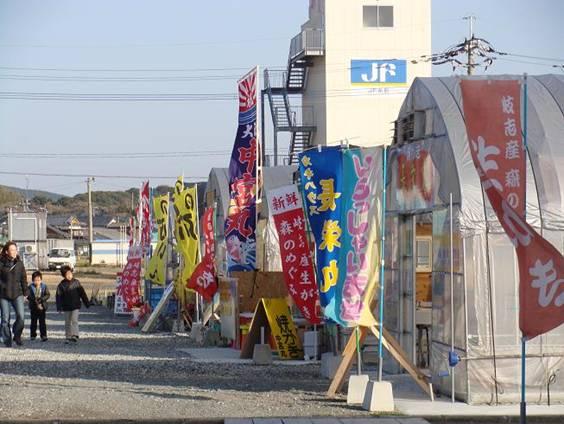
[116, 373]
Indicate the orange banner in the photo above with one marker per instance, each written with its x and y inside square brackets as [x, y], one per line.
[493, 123]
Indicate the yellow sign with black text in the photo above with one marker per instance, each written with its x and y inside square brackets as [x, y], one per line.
[156, 269]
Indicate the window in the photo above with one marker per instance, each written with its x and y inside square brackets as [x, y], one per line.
[378, 16]
[423, 249]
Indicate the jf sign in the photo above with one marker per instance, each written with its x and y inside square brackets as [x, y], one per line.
[379, 72]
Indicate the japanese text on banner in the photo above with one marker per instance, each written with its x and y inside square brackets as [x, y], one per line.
[321, 184]
[492, 115]
[285, 205]
[359, 260]
[156, 268]
[240, 224]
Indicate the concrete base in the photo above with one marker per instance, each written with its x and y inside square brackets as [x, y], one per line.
[357, 388]
[311, 345]
[196, 333]
[329, 364]
[378, 397]
[262, 354]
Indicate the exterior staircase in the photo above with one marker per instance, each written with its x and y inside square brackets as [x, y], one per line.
[279, 85]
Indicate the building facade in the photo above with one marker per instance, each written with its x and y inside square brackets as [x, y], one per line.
[356, 88]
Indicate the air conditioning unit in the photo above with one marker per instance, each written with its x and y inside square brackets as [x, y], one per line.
[30, 249]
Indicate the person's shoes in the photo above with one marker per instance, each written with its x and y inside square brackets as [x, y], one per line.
[68, 341]
[74, 339]
[44, 339]
[8, 342]
[32, 338]
[18, 340]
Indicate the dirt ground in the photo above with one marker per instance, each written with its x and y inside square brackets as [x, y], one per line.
[115, 372]
[91, 279]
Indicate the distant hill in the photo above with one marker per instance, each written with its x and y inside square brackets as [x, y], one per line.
[9, 197]
[104, 202]
[33, 193]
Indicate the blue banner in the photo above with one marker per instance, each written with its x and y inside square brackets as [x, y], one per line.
[240, 224]
[321, 184]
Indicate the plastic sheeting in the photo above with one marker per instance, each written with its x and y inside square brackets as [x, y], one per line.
[486, 278]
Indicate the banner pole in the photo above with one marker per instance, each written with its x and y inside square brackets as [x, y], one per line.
[200, 307]
[451, 300]
[258, 171]
[523, 409]
[382, 263]
[358, 358]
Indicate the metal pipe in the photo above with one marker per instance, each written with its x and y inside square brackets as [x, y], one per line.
[451, 299]
[523, 409]
[382, 263]
[358, 356]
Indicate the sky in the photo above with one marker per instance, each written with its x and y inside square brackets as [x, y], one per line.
[172, 47]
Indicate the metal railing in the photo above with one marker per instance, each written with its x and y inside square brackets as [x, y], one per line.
[310, 41]
[302, 116]
[275, 78]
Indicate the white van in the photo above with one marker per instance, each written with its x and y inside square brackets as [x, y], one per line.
[60, 256]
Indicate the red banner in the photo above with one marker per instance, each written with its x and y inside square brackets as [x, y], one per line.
[286, 207]
[203, 280]
[207, 225]
[131, 230]
[492, 113]
[145, 217]
[129, 288]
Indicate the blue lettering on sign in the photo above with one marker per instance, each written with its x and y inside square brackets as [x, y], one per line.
[379, 72]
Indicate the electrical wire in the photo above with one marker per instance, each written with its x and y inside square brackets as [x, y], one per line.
[129, 177]
[132, 155]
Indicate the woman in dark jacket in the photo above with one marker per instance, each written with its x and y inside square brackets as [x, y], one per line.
[13, 289]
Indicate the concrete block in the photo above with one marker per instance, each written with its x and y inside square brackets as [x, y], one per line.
[311, 344]
[356, 390]
[262, 354]
[197, 332]
[378, 397]
[329, 364]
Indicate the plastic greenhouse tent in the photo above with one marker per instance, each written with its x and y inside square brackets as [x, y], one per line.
[429, 162]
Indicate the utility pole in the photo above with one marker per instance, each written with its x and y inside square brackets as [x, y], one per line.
[89, 182]
[26, 204]
[470, 43]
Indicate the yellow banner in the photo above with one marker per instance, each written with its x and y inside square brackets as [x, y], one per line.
[156, 269]
[283, 328]
[186, 227]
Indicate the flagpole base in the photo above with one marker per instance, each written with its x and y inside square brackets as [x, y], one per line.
[523, 417]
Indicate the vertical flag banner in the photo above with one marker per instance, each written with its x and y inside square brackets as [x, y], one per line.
[145, 221]
[129, 289]
[203, 280]
[493, 123]
[186, 227]
[359, 254]
[321, 182]
[156, 269]
[285, 205]
[240, 224]
[131, 231]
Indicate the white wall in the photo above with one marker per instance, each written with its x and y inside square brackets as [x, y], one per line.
[362, 114]
[109, 253]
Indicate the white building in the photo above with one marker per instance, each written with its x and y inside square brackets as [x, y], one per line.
[352, 65]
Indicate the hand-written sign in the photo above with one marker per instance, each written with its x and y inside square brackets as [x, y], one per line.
[275, 316]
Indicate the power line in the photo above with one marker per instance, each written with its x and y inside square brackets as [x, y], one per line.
[23, 68]
[132, 155]
[130, 177]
